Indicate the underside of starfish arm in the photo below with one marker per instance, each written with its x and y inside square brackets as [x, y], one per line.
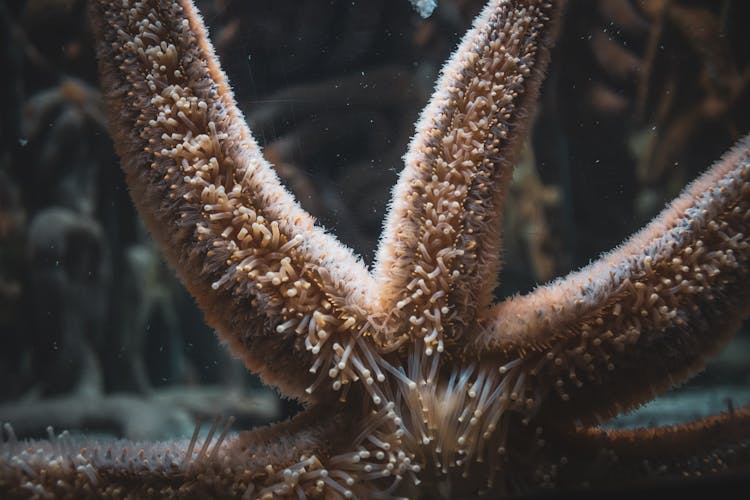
[716, 446]
[647, 315]
[318, 453]
[439, 255]
[274, 286]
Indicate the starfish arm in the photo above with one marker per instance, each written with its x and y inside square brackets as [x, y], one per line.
[717, 446]
[274, 286]
[317, 453]
[647, 315]
[439, 255]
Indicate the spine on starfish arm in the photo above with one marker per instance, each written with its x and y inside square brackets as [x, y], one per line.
[316, 454]
[442, 232]
[645, 316]
[276, 287]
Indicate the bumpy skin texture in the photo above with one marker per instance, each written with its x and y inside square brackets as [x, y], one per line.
[440, 252]
[416, 384]
[251, 257]
[679, 286]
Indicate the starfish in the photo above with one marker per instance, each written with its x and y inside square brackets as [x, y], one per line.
[414, 381]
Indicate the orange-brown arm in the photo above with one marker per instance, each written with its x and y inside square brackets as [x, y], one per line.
[440, 251]
[645, 316]
[278, 289]
[716, 446]
[317, 453]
